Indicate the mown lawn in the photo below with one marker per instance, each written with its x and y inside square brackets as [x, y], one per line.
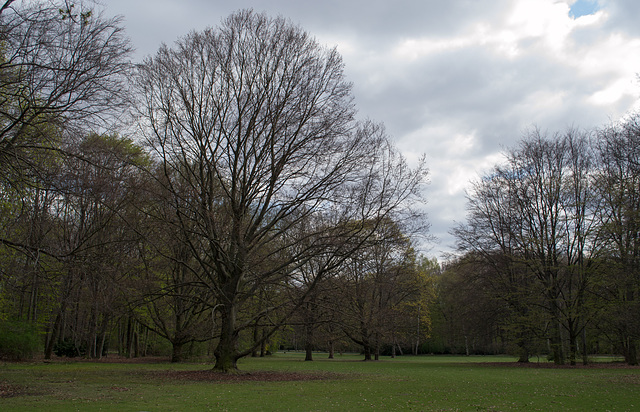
[343, 384]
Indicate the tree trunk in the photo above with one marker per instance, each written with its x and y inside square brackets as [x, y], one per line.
[129, 338]
[308, 346]
[556, 338]
[523, 350]
[254, 352]
[177, 352]
[585, 355]
[573, 343]
[53, 338]
[103, 338]
[263, 344]
[331, 349]
[466, 345]
[523, 356]
[367, 351]
[630, 352]
[226, 352]
[136, 344]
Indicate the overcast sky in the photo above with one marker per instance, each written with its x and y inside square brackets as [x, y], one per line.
[458, 80]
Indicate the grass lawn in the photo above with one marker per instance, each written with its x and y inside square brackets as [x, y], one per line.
[343, 384]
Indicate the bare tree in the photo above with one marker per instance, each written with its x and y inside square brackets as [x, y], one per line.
[533, 220]
[94, 196]
[377, 284]
[61, 65]
[619, 187]
[257, 119]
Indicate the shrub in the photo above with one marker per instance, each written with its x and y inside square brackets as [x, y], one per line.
[18, 340]
[69, 349]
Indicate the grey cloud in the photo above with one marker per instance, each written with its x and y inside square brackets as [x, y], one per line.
[427, 103]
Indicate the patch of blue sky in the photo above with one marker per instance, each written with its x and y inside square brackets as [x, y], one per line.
[583, 8]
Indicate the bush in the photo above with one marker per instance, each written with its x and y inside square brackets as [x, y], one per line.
[69, 349]
[18, 340]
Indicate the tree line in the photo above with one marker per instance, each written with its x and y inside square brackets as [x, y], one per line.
[550, 249]
[222, 196]
[220, 191]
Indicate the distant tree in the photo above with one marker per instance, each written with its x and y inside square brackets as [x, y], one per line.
[96, 189]
[258, 120]
[378, 286]
[414, 314]
[618, 184]
[167, 297]
[533, 220]
[489, 307]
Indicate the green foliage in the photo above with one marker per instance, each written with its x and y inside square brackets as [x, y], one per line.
[18, 340]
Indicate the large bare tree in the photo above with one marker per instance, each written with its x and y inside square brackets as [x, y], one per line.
[257, 118]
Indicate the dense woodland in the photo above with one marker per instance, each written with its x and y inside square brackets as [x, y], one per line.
[221, 198]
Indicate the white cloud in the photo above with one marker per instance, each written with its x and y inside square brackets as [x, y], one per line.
[613, 93]
[457, 80]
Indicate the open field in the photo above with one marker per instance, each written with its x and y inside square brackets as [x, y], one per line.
[286, 382]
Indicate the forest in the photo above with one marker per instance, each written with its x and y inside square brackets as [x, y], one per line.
[221, 198]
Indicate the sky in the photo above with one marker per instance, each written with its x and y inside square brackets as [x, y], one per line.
[458, 80]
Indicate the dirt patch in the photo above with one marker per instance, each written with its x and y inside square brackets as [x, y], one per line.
[626, 379]
[551, 365]
[8, 390]
[255, 376]
[124, 359]
[104, 359]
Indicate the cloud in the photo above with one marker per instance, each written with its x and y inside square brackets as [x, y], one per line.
[458, 80]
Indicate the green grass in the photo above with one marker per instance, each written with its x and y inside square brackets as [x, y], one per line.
[404, 383]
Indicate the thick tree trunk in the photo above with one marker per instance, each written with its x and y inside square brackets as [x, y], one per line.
[523, 353]
[226, 350]
[523, 349]
[573, 349]
[308, 345]
[367, 351]
[556, 336]
[177, 352]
